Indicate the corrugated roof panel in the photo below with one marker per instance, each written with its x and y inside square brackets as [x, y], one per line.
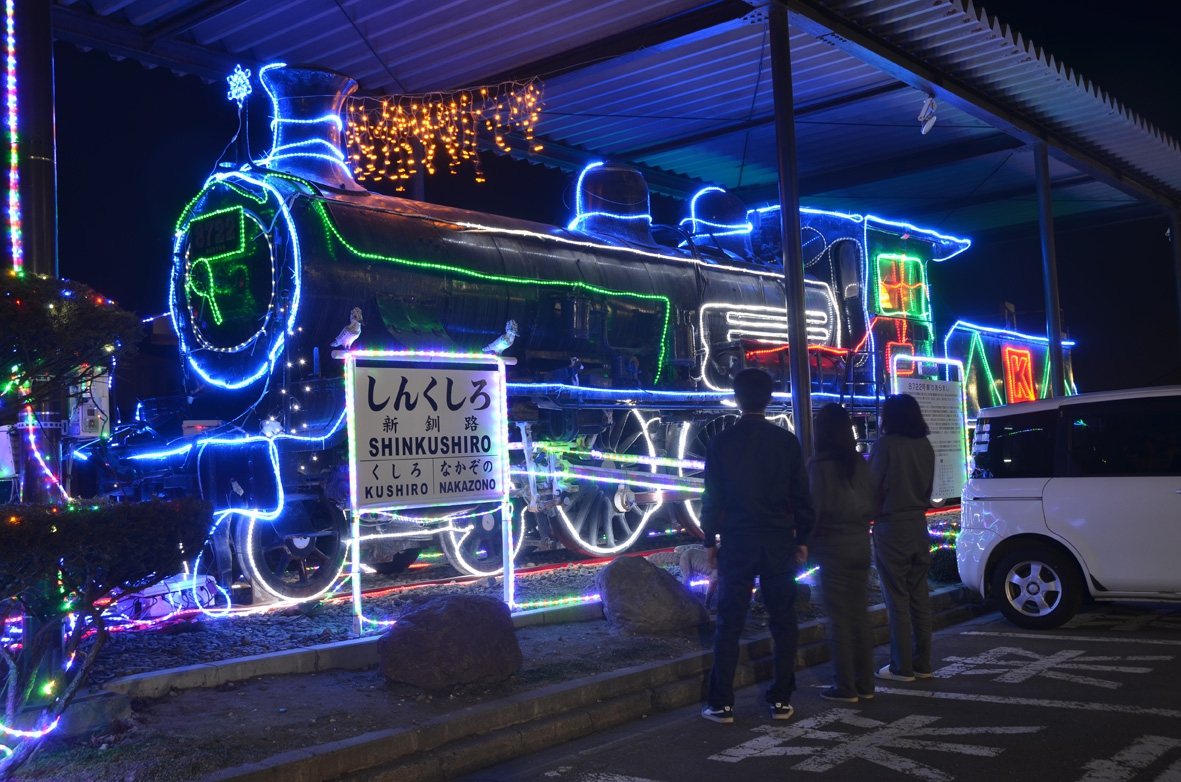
[701, 103]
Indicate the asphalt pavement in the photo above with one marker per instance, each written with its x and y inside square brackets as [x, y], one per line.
[1094, 701]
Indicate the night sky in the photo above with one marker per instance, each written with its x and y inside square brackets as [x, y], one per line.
[134, 145]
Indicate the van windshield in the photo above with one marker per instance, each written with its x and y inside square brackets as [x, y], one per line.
[1015, 446]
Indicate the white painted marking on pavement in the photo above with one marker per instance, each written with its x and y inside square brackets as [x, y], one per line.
[1130, 620]
[1026, 665]
[1040, 637]
[1013, 701]
[871, 745]
[1123, 765]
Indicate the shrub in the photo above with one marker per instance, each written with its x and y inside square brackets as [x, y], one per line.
[60, 568]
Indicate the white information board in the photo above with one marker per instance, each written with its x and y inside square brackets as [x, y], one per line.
[426, 435]
[942, 403]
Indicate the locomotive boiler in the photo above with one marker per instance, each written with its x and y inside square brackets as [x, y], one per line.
[626, 336]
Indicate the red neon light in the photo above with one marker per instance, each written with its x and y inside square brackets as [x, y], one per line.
[811, 348]
[1019, 385]
[902, 349]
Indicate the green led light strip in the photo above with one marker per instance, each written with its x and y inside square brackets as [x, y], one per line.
[976, 342]
[622, 458]
[904, 262]
[331, 227]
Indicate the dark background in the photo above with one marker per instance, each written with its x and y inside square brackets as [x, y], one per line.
[134, 145]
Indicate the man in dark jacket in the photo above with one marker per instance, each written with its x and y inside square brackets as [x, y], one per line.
[757, 499]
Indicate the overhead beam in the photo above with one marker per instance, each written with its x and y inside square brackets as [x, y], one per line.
[824, 24]
[646, 36]
[122, 40]
[570, 158]
[803, 110]
[891, 168]
[189, 19]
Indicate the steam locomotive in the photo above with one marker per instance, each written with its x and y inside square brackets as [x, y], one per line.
[625, 335]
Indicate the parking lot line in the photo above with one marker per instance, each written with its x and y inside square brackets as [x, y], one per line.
[1043, 637]
[1045, 702]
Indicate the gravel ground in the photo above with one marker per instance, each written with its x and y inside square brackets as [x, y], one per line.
[209, 640]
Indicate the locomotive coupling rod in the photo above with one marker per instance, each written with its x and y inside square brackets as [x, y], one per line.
[693, 486]
[665, 495]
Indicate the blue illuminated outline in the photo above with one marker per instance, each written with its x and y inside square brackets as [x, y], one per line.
[727, 229]
[867, 220]
[274, 101]
[331, 118]
[280, 341]
[578, 188]
[1066, 343]
[155, 455]
[573, 226]
[580, 214]
[629, 395]
[266, 161]
[337, 154]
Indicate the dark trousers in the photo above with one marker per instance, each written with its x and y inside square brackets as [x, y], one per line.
[902, 550]
[844, 583]
[773, 560]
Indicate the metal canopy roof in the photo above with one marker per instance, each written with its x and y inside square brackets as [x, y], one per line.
[682, 89]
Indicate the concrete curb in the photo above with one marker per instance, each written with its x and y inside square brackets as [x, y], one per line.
[354, 654]
[480, 736]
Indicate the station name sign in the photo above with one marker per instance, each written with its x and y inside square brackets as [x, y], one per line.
[427, 436]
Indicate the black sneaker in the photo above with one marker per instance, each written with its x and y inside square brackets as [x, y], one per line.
[833, 694]
[781, 711]
[865, 696]
[724, 715]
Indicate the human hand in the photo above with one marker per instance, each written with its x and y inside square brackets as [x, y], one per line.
[801, 554]
[712, 556]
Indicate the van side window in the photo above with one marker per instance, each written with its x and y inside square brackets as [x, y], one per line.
[1136, 437]
[1015, 446]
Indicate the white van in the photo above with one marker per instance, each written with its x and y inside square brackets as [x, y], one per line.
[1073, 496]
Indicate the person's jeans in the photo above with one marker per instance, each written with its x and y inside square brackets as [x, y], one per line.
[773, 560]
[902, 551]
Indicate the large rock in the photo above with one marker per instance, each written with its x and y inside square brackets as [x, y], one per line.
[643, 599]
[450, 640]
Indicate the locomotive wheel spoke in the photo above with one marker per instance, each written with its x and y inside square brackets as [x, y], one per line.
[282, 565]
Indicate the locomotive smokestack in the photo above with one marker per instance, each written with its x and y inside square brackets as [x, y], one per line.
[611, 202]
[307, 126]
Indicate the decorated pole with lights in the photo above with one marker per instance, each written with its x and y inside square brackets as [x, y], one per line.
[32, 170]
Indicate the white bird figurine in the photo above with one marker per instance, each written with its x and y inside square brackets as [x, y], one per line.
[348, 335]
[505, 340]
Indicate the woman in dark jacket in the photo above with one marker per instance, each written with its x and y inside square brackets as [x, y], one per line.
[903, 467]
[843, 495]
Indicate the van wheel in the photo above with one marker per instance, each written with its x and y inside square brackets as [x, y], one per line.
[1038, 587]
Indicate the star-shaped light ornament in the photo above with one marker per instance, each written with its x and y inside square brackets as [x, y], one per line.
[239, 82]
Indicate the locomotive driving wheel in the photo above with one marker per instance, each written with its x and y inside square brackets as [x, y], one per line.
[692, 442]
[299, 555]
[475, 545]
[606, 517]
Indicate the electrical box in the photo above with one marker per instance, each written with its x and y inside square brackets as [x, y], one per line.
[91, 412]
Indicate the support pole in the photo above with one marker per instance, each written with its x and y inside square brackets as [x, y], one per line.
[1175, 235]
[1045, 213]
[36, 156]
[789, 215]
